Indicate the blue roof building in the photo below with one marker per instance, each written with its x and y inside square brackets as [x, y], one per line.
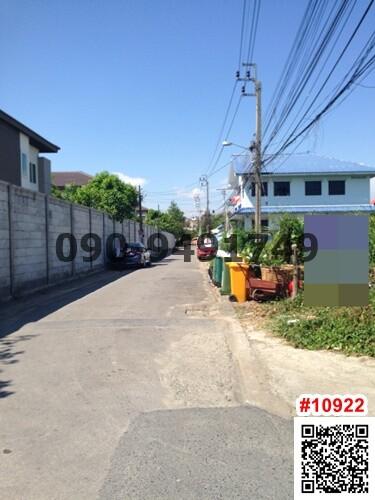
[301, 184]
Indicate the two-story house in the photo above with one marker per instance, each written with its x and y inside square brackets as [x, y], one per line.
[301, 184]
[20, 160]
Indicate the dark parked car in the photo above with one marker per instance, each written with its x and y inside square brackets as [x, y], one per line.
[137, 255]
[134, 255]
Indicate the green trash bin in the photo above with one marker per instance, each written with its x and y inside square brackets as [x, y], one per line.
[218, 270]
[213, 269]
[225, 280]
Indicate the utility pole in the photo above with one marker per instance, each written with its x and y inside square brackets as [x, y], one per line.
[197, 201]
[204, 182]
[255, 146]
[140, 214]
[226, 220]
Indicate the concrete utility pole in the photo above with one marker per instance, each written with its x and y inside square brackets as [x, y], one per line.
[256, 146]
[140, 214]
[258, 156]
[226, 220]
[197, 201]
[204, 182]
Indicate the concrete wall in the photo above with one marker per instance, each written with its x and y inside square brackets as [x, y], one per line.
[30, 226]
[4, 242]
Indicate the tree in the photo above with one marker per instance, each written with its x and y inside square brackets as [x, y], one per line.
[67, 194]
[104, 192]
[152, 217]
[217, 219]
[279, 249]
[173, 220]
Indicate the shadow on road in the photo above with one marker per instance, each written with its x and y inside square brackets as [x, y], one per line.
[21, 311]
[29, 309]
[18, 312]
[4, 384]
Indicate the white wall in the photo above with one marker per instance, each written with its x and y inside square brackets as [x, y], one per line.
[357, 190]
[32, 156]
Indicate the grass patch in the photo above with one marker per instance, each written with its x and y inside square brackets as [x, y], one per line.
[347, 329]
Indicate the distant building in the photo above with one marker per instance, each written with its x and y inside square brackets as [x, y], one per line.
[76, 178]
[20, 160]
[191, 223]
[299, 185]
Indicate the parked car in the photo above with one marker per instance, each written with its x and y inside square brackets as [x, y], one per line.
[137, 255]
[132, 255]
[206, 248]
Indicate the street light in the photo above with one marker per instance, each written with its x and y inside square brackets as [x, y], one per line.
[230, 143]
[255, 151]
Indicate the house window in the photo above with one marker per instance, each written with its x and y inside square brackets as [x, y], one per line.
[264, 190]
[263, 223]
[281, 188]
[313, 188]
[336, 187]
[32, 172]
[24, 164]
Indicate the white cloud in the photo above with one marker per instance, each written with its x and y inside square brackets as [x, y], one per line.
[134, 181]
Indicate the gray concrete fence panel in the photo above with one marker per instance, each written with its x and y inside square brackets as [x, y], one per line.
[30, 225]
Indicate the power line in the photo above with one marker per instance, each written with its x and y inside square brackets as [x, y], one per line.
[219, 169]
[335, 65]
[242, 32]
[348, 15]
[362, 68]
[314, 11]
[220, 136]
[253, 31]
[251, 43]
[324, 37]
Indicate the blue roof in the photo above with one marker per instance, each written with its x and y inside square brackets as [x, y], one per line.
[304, 164]
[308, 209]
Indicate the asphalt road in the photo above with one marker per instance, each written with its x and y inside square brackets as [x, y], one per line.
[122, 386]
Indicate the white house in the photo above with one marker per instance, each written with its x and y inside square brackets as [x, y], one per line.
[301, 184]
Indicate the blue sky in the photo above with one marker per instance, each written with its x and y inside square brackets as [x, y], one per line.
[140, 86]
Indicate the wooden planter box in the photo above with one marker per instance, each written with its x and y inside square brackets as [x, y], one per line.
[280, 274]
[277, 274]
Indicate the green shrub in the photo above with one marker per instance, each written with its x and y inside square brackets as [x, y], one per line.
[347, 329]
[372, 240]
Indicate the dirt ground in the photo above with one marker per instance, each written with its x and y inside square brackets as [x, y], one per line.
[291, 371]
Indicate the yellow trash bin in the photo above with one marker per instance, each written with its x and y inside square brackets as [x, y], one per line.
[238, 274]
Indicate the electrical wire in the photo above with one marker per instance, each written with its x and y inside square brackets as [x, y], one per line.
[334, 67]
[324, 37]
[361, 70]
[250, 50]
[313, 11]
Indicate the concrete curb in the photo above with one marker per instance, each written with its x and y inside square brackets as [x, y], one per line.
[253, 377]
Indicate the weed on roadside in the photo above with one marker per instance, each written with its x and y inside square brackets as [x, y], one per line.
[347, 329]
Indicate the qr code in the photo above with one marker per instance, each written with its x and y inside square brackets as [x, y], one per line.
[334, 455]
